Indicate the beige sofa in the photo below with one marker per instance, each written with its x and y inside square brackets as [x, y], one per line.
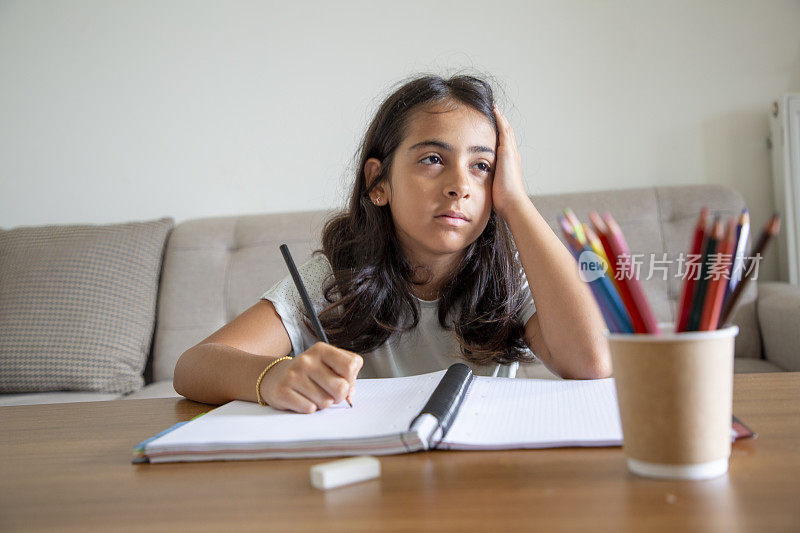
[215, 268]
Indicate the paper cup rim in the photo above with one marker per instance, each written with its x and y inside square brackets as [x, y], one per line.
[668, 334]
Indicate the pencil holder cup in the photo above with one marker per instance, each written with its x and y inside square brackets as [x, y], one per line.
[675, 395]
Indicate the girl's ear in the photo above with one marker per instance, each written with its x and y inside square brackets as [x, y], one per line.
[373, 169]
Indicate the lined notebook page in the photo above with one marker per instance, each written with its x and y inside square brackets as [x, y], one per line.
[380, 407]
[503, 413]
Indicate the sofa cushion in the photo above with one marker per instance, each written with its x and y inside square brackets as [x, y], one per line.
[749, 365]
[77, 305]
[779, 316]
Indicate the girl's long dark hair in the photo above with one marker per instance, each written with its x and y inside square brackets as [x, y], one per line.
[369, 293]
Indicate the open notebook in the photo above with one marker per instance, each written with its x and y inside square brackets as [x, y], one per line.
[446, 410]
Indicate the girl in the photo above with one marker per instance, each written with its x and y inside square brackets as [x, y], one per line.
[419, 272]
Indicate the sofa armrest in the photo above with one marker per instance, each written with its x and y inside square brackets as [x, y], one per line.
[779, 321]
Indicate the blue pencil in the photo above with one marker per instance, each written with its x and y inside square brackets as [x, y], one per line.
[606, 287]
[602, 303]
[606, 309]
[609, 301]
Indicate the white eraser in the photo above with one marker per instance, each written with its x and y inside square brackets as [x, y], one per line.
[345, 471]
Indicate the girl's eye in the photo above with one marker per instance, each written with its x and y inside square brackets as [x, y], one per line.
[433, 159]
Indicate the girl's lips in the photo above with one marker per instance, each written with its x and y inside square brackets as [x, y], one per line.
[452, 221]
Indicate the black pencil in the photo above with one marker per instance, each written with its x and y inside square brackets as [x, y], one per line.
[301, 288]
[696, 310]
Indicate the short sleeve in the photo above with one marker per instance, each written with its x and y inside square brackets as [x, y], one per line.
[529, 307]
[289, 306]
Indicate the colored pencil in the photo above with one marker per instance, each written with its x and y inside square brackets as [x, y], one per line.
[606, 309]
[570, 214]
[770, 230]
[608, 315]
[568, 230]
[701, 288]
[689, 281]
[620, 256]
[601, 231]
[717, 284]
[622, 288]
[594, 241]
[742, 235]
[611, 306]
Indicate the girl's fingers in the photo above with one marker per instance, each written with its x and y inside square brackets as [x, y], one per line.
[501, 118]
[508, 138]
[311, 390]
[294, 401]
[335, 386]
[346, 364]
[504, 126]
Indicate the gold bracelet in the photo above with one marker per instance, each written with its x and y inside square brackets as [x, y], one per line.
[258, 383]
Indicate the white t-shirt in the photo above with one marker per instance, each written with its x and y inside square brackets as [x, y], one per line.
[426, 348]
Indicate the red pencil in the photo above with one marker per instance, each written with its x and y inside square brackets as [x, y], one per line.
[620, 249]
[716, 288]
[623, 289]
[685, 303]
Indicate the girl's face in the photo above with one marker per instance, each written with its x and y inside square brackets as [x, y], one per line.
[440, 188]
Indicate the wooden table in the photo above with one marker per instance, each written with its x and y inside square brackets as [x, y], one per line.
[68, 467]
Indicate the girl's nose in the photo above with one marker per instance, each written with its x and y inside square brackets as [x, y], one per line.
[458, 187]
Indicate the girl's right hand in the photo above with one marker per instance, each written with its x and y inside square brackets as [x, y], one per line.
[314, 380]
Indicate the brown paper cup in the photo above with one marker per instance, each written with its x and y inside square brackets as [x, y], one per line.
[675, 394]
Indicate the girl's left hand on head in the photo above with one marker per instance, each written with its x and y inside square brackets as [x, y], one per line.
[508, 186]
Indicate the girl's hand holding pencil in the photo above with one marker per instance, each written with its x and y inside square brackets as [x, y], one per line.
[320, 377]
[317, 378]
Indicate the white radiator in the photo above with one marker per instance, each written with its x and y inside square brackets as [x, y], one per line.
[785, 143]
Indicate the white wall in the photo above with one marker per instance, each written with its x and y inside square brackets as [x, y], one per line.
[123, 110]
